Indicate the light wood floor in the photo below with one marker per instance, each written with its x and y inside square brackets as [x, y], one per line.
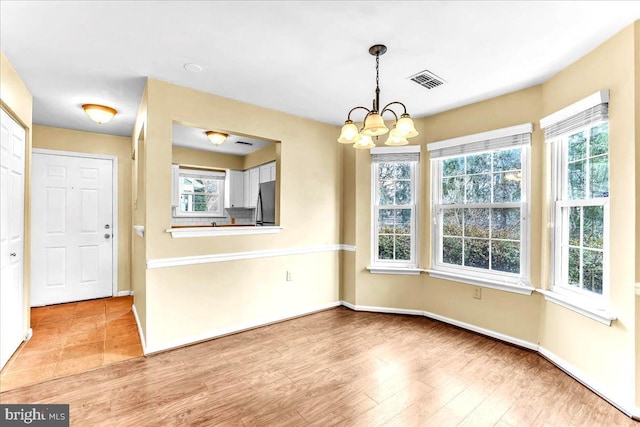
[72, 338]
[337, 367]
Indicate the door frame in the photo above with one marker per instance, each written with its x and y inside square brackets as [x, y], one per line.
[114, 202]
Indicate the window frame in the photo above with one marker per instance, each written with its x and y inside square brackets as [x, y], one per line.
[200, 174]
[560, 203]
[382, 265]
[521, 279]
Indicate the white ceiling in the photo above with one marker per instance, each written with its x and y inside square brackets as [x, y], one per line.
[189, 137]
[306, 58]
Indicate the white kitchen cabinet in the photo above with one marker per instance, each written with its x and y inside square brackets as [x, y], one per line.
[175, 185]
[254, 185]
[268, 172]
[234, 189]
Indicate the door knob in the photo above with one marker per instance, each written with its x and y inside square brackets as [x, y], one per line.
[12, 254]
[106, 236]
[107, 226]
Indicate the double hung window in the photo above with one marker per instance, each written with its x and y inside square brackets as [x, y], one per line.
[394, 176]
[580, 205]
[480, 205]
[200, 193]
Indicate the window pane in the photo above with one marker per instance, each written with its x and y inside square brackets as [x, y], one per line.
[574, 226]
[198, 185]
[452, 223]
[452, 190]
[505, 224]
[507, 160]
[385, 247]
[476, 222]
[592, 271]
[599, 140]
[478, 189]
[403, 192]
[385, 171]
[403, 221]
[574, 266]
[386, 220]
[476, 253]
[402, 170]
[212, 185]
[577, 146]
[387, 192]
[479, 163]
[403, 248]
[576, 180]
[593, 226]
[505, 256]
[506, 187]
[452, 250]
[454, 166]
[599, 178]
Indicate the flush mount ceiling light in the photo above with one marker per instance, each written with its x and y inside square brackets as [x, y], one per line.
[216, 137]
[373, 124]
[99, 113]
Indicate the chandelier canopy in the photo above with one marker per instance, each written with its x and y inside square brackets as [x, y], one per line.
[373, 123]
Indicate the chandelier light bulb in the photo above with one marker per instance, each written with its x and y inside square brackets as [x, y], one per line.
[374, 125]
[349, 134]
[395, 139]
[405, 127]
[364, 142]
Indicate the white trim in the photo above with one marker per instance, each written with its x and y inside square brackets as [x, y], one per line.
[637, 288]
[482, 136]
[29, 334]
[396, 150]
[351, 248]
[142, 339]
[595, 313]
[412, 312]
[485, 283]
[575, 108]
[235, 256]
[114, 203]
[178, 233]
[628, 408]
[378, 269]
[217, 333]
[125, 293]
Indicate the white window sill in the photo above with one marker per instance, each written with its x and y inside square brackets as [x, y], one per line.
[238, 230]
[485, 283]
[581, 307]
[411, 271]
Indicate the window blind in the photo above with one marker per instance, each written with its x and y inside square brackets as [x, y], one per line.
[394, 157]
[482, 145]
[591, 115]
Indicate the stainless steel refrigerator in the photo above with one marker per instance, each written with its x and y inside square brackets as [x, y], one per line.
[266, 206]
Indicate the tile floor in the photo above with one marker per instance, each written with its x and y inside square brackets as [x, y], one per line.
[72, 338]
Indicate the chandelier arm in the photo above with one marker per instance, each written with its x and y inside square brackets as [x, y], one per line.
[386, 107]
[358, 108]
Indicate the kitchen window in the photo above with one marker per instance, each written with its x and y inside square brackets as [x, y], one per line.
[480, 208]
[394, 177]
[200, 193]
[580, 204]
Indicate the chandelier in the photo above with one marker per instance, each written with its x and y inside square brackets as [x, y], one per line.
[373, 124]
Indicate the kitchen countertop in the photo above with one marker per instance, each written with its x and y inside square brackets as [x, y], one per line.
[213, 226]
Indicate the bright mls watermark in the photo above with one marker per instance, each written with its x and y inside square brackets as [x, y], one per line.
[54, 415]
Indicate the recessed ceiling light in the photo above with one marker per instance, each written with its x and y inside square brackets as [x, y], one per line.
[195, 68]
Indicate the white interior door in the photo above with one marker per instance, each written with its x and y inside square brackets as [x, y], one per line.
[71, 228]
[12, 151]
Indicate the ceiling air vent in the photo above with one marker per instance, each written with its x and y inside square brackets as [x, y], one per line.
[427, 79]
[244, 143]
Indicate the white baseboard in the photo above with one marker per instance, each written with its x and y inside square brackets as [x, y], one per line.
[628, 408]
[29, 334]
[235, 329]
[124, 293]
[142, 340]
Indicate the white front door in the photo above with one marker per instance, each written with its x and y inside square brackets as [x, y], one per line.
[12, 151]
[71, 228]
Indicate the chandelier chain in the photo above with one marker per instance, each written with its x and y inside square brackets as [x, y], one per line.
[377, 70]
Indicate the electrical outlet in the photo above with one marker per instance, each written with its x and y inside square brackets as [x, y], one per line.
[477, 293]
[289, 276]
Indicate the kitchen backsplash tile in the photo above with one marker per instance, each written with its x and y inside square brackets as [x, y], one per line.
[241, 215]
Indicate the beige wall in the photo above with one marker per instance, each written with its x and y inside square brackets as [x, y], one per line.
[310, 207]
[51, 138]
[190, 157]
[565, 333]
[16, 99]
